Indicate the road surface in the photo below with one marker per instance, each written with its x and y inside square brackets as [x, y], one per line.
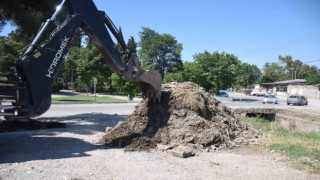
[246, 101]
[57, 110]
[74, 152]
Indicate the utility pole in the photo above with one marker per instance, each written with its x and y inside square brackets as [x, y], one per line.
[295, 72]
[95, 80]
[292, 72]
[72, 78]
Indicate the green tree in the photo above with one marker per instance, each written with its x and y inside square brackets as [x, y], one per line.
[290, 67]
[217, 70]
[68, 71]
[160, 51]
[26, 15]
[173, 77]
[272, 72]
[247, 74]
[310, 73]
[11, 48]
[89, 64]
[191, 71]
[2, 21]
[121, 85]
[84, 72]
[132, 45]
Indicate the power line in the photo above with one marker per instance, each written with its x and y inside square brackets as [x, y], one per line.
[311, 61]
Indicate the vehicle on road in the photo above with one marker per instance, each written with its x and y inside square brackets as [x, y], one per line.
[297, 100]
[223, 94]
[270, 98]
[256, 90]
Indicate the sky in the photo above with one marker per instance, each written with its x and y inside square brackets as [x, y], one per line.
[256, 31]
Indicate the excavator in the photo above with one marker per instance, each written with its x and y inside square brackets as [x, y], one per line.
[29, 90]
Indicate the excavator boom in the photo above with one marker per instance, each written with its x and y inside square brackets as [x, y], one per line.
[38, 66]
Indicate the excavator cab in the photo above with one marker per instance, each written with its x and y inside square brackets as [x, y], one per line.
[37, 68]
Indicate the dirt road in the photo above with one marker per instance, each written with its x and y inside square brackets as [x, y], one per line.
[74, 153]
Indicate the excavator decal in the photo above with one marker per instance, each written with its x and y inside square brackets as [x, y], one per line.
[57, 57]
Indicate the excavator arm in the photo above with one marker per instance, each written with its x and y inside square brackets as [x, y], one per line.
[38, 66]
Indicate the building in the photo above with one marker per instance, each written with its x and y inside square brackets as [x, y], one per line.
[296, 87]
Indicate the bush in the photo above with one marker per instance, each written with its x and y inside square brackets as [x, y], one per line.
[57, 86]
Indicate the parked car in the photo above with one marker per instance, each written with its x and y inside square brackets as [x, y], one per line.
[223, 94]
[269, 98]
[297, 100]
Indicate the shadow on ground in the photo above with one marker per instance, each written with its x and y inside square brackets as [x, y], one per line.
[58, 143]
[244, 99]
[67, 93]
[87, 123]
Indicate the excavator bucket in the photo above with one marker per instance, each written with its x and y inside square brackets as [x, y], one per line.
[149, 81]
[150, 84]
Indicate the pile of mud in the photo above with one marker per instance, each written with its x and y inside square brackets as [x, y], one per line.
[188, 116]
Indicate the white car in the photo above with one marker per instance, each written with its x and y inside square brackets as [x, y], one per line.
[297, 100]
[269, 98]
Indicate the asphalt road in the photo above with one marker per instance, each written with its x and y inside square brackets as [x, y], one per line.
[246, 101]
[78, 109]
[240, 101]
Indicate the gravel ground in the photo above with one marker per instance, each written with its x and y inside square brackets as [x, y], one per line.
[74, 153]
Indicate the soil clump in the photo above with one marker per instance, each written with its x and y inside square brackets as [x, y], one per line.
[187, 116]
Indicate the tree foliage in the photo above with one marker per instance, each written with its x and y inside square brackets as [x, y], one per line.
[272, 72]
[310, 73]
[173, 77]
[26, 15]
[118, 82]
[247, 74]
[288, 69]
[11, 48]
[290, 66]
[121, 85]
[161, 52]
[218, 69]
[213, 71]
[83, 64]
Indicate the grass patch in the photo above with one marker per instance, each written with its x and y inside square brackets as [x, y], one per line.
[83, 98]
[304, 115]
[302, 147]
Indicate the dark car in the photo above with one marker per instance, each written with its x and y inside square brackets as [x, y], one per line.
[297, 100]
[223, 94]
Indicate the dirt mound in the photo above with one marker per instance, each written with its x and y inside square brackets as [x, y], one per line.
[187, 115]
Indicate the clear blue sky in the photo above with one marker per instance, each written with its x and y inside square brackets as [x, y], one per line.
[256, 31]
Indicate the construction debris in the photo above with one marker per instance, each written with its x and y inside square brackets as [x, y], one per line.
[187, 116]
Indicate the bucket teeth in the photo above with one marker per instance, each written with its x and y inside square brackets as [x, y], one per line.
[150, 83]
[153, 95]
